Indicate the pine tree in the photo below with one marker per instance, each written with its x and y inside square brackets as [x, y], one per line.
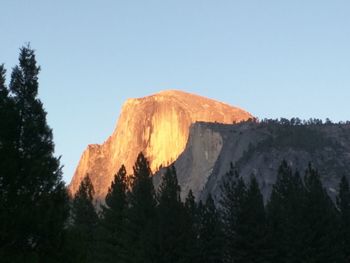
[113, 222]
[140, 234]
[233, 195]
[8, 173]
[210, 235]
[244, 219]
[343, 203]
[191, 226]
[84, 223]
[285, 215]
[251, 230]
[36, 199]
[321, 236]
[172, 227]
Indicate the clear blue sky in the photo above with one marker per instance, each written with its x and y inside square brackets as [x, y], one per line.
[272, 58]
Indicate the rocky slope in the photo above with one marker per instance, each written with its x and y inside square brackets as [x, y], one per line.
[157, 125]
[259, 148]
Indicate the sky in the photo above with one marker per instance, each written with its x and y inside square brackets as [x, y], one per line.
[271, 58]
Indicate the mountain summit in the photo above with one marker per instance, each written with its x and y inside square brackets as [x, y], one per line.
[158, 125]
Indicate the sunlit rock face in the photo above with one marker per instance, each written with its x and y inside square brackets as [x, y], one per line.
[157, 125]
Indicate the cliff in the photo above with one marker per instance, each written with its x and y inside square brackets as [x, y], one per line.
[259, 148]
[157, 125]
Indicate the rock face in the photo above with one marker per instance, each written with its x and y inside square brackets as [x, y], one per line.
[258, 148]
[157, 125]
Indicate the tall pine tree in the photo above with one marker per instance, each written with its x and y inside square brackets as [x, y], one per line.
[210, 233]
[7, 160]
[140, 234]
[285, 215]
[172, 222]
[113, 221]
[82, 233]
[321, 235]
[251, 229]
[244, 220]
[191, 215]
[36, 199]
[233, 195]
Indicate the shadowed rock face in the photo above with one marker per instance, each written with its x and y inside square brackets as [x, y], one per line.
[258, 149]
[157, 125]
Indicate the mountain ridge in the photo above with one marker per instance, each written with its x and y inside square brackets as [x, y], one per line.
[157, 125]
[258, 148]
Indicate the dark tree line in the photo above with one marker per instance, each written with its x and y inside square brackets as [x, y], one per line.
[137, 223]
[140, 224]
[299, 223]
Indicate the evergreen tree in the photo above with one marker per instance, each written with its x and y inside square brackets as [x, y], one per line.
[343, 203]
[233, 195]
[251, 230]
[113, 221]
[84, 223]
[8, 172]
[34, 196]
[140, 234]
[244, 219]
[321, 236]
[171, 215]
[191, 226]
[285, 215]
[210, 235]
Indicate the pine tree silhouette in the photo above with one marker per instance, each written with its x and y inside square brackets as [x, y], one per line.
[35, 203]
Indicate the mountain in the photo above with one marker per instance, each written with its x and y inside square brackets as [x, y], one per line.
[157, 125]
[258, 148]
